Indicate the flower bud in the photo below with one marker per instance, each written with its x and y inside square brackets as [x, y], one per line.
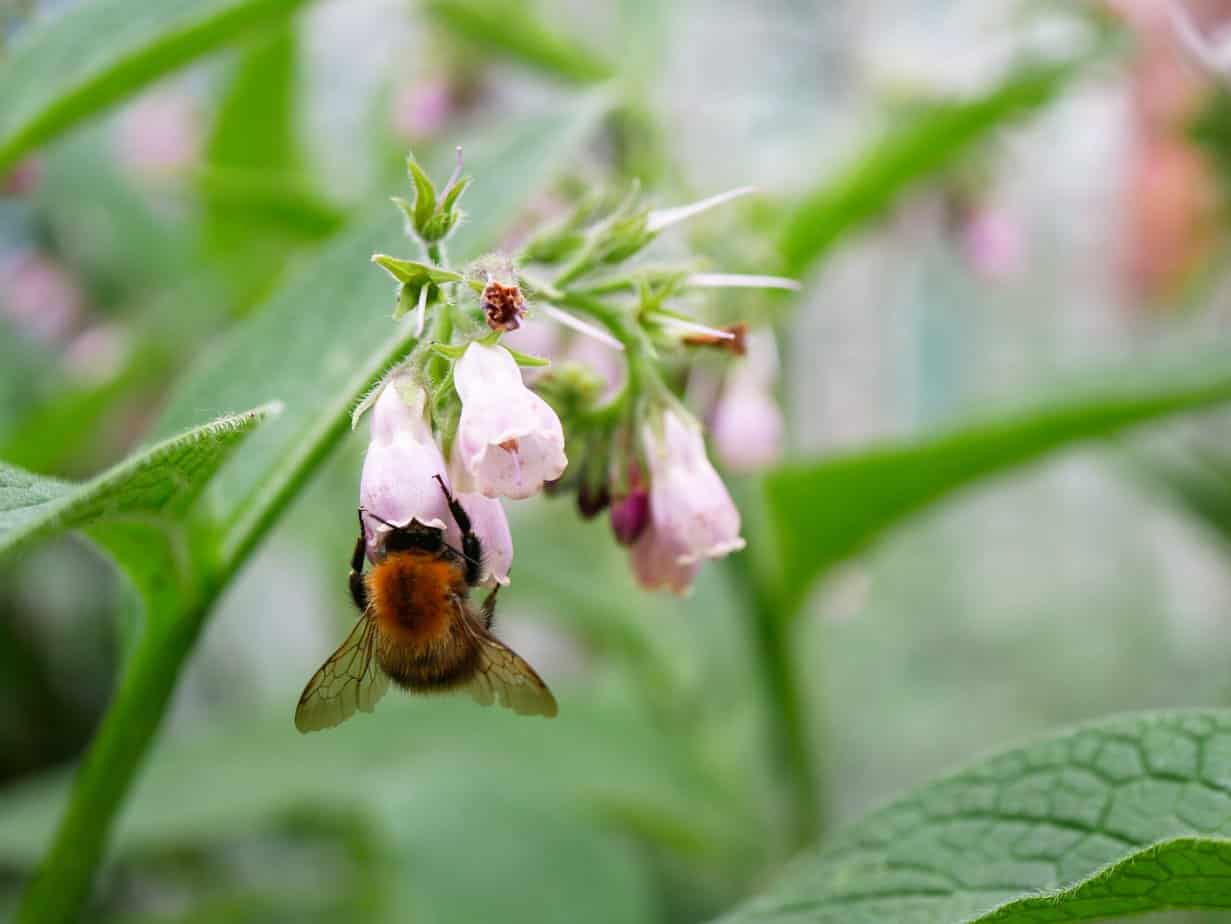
[630, 515]
[592, 498]
[402, 462]
[509, 441]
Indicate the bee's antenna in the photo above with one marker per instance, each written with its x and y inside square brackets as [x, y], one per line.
[368, 513]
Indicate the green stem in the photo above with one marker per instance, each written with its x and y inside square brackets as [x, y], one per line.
[62, 884]
[791, 740]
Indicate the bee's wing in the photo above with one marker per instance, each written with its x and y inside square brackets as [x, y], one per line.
[351, 679]
[504, 676]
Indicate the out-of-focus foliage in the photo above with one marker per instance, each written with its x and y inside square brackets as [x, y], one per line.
[816, 530]
[259, 206]
[931, 141]
[80, 63]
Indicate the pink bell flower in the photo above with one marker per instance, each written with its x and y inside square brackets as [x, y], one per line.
[398, 483]
[509, 441]
[692, 516]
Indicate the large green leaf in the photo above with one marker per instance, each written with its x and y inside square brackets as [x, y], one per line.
[929, 142]
[827, 510]
[158, 483]
[102, 50]
[259, 206]
[1119, 817]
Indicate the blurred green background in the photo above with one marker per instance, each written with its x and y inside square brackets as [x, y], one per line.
[1088, 230]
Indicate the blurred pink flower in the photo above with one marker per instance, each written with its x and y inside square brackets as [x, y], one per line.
[747, 427]
[692, 516]
[40, 297]
[747, 424]
[421, 109]
[98, 352]
[161, 134]
[398, 483]
[509, 441]
[22, 179]
[994, 244]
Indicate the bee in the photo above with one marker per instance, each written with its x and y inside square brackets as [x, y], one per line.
[419, 629]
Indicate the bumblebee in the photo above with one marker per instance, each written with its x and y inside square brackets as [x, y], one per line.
[419, 629]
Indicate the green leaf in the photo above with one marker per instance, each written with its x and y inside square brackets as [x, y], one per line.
[509, 30]
[929, 143]
[158, 483]
[101, 51]
[1121, 817]
[830, 509]
[259, 207]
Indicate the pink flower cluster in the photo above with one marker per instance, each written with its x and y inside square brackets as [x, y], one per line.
[509, 442]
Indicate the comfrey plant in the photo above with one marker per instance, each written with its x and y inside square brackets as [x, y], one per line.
[457, 408]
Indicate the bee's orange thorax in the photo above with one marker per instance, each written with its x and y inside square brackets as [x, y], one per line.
[413, 597]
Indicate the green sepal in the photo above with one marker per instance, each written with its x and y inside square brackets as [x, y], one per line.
[414, 273]
[525, 359]
[425, 194]
[453, 194]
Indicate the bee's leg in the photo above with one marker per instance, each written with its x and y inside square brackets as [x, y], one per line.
[488, 611]
[472, 550]
[358, 589]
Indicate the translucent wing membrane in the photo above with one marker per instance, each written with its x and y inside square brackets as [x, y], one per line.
[503, 677]
[351, 679]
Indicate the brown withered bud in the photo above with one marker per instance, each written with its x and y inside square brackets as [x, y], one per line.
[736, 343]
[504, 306]
[592, 499]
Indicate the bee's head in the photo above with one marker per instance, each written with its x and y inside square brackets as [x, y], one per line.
[414, 536]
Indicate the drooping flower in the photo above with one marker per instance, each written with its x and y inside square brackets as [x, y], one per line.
[400, 469]
[692, 516]
[509, 441]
